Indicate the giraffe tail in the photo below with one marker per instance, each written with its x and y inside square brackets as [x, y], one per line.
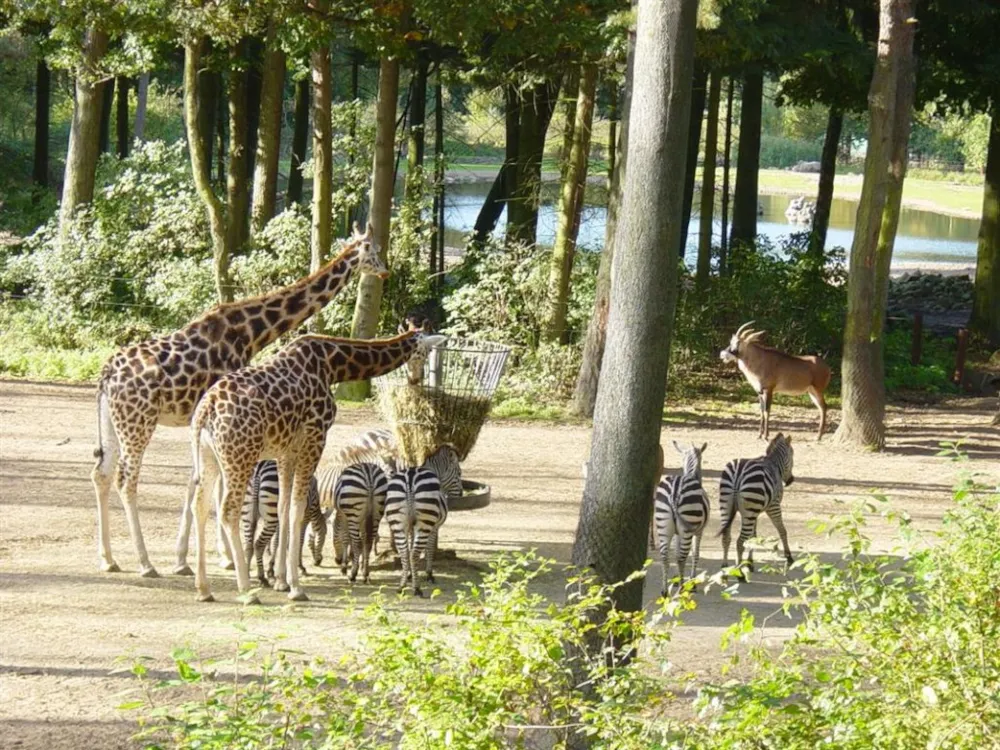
[201, 416]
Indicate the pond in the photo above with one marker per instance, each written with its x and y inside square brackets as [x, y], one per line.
[924, 237]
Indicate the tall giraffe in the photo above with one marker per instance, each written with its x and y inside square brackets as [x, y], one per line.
[159, 381]
[282, 409]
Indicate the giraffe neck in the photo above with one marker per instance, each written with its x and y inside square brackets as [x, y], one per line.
[273, 314]
[340, 360]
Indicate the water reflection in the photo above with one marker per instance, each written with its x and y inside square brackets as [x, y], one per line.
[922, 235]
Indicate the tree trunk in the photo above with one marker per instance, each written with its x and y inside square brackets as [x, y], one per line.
[141, 97]
[571, 204]
[254, 54]
[84, 134]
[522, 210]
[416, 141]
[707, 210]
[506, 180]
[570, 92]
[726, 153]
[863, 392]
[201, 168]
[107, 104]
[585, 392]
[210, 98]
[237, 190]
[698, 86]
[322, 149]
[43, 95]
[222, 128]
[614, 514]
[366, 309]
[121, 119]
[436, 265]
[827, 174]
[748, 160]
[300, 140]
[986, 295]
[612, 131]
[272, 95]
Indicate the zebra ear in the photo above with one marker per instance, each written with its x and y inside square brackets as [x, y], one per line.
[703, 447]
[788, 440]
[677, 447]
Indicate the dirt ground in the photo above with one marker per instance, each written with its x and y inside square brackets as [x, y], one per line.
[66, 628]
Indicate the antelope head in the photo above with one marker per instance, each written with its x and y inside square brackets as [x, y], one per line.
[744, 335]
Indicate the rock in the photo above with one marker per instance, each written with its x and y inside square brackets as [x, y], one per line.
[807, 166]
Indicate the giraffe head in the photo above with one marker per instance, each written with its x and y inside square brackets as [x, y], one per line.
[426, 341]
[369, 260]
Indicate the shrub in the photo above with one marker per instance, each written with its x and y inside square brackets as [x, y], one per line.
[777, 152]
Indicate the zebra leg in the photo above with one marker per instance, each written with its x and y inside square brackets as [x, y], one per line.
[417, 545]
[365, 549]
[341, 540]
[302, 547]
[261, 544]
[775, 516]
[665, 537]
[683, 549]
[697, 552]
[432, 545]
[356, 533]
[399, 541]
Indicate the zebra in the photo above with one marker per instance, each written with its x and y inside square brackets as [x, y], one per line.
[359, 497]
[681, 508]
[415, 508]
[752, 485]
[259, 520]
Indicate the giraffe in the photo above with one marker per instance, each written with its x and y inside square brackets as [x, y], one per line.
[159, 381]
[282, 409]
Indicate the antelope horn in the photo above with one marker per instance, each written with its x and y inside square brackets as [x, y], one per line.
[742, 328]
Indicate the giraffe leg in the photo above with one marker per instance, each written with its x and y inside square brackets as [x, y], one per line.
[232, 491]
[184, 532]
[133, 447]
[222, 546]
[209, 470]
[286, 473]
[107, 459]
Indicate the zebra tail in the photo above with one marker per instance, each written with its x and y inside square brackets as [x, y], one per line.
[727, 523]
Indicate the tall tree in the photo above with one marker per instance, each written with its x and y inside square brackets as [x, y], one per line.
[322, 203]
[141, 98]
[748, 159]
[614, 515]
[504, 183]
[121, 116]
[571, 205]
[587, 381]
[863, 391]
[537, 106]
[366, 309]
[238, 172]
[107, 104]
[707, 211]
[43, 94]
[272, 96]
[827, 176]
[698, 91]
[300, 139]
[254, 58]
[416, 140]
[986, 295]
[727, 150]
[84, 134]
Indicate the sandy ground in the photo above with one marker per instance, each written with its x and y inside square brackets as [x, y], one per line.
[66, 628]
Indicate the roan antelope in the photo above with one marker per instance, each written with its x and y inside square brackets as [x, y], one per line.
[769, 370]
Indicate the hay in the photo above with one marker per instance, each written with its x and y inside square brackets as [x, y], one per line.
[424, 419]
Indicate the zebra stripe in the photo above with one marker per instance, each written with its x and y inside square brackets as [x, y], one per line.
[415, 508]
[359, 496]
[681, 509]
[752, 486]
[259, 520]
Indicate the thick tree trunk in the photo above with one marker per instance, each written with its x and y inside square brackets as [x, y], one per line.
[585, 392]
[748, 160]
[322, 149]
[201, 168]
[121, 117]
[707, 211]
[300, 139]
[889, 105]
[43, 95]
[726, 153]
[506, 179]
[570, 92]
[210, 98]
[84, 134]
[107, 104]
[570, 205]
[612, 130]
[614, 514]
[522, 210]
[265, 177]
[254, 47]
[366, 309]
[698, 91]
[237, 189]
[416, 141]
[827, 174]
[986, 295]
[221, 128]
[141, 97]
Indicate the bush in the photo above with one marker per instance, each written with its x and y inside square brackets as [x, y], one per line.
[777, 152]
[892, 652]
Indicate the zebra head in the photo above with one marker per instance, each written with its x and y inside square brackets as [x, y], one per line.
[779, 450]
[691, 457]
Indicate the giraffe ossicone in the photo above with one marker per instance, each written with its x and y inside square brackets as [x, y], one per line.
[159, 381]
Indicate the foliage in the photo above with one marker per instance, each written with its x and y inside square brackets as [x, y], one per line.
[777, 152]
[511, 669]
[891, 651]
[932, 374]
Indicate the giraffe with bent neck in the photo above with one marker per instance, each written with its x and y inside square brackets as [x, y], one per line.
[282, 409]
[160, 381]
